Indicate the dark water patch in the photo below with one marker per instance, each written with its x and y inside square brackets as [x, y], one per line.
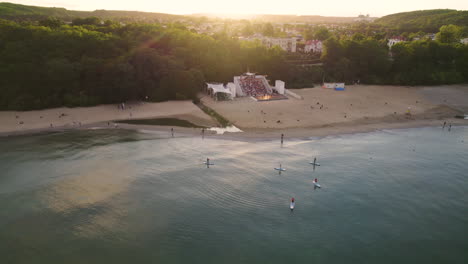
[221, 119]
[160, 122]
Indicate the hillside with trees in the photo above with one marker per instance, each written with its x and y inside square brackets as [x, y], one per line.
[424, 20]
[49, 61]
[18, 12]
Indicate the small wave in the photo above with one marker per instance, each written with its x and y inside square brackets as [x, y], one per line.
[222, 130]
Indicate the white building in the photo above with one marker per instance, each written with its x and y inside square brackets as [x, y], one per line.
[394, 40]
[279, 86]
[431, 36]
[287, 44]
[314, 45]
[220, 92]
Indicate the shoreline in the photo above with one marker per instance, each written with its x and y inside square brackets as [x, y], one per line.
[320, 113]
[250, 135]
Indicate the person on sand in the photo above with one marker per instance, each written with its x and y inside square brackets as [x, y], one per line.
[172, 132]
[450, 127]
[444, 124]
[282, 136]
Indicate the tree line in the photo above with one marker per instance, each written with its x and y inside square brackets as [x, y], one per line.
[422, 62]
[88, 63]
[50, 64]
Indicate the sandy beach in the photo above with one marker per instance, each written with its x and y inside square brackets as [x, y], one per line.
[359, 108]
[16, 122]
[320, 112]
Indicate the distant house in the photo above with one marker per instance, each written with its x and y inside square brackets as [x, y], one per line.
[394, 40]
[314, 45]
[287, 44]
[431, 36]
[464, 41]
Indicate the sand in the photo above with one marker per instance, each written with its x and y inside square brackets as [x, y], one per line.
[15, 122]
[321, 112]
[324, 107]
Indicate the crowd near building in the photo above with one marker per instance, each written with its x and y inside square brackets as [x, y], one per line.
[248, 84]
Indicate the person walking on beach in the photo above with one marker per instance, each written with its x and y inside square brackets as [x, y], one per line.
[445, 122]
[282, 136]
[207, 162]
[450, 127]
[203, 132]
[172, 132]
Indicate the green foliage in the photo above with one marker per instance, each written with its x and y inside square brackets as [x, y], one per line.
[268, 30]
[449, 34]
[47, 63]
[51, 22]
[412, 63]
[426, 20]
[429, 62]
[93, 21]
[34, 13]
[93, 62]
[322, 33]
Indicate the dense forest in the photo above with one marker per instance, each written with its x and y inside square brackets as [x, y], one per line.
[421, 62]
[48, 63]
[53, 64]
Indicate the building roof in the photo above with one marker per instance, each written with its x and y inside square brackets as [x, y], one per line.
[218, 88]
[313, 41]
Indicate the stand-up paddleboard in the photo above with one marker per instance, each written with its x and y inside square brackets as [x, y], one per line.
[316, 184]
[280, 169]
[315, 163]
[291, 205]
[208, 163]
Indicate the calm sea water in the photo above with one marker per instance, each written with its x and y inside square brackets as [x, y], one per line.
[398, 196]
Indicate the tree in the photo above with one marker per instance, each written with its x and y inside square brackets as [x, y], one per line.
[51, 22]
[268, 30]
[449, 34]
[322, 33]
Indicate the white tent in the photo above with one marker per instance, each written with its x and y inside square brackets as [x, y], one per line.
[215, 88]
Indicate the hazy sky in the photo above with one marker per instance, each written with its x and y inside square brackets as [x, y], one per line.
[297, 7]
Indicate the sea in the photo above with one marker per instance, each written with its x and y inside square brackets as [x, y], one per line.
[118, 196]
